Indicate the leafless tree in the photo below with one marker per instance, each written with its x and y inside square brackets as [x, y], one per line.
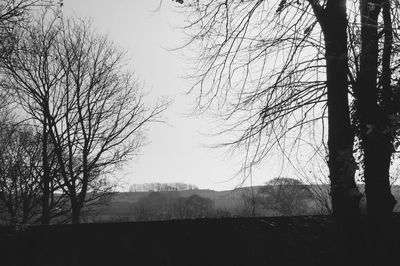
[14, 16]
[75, 84]
[376, 111]
[320, 190]
[285, 195]
[30, 51]
[21, 172]
[19, 178]
[314, 173]
[252, 203]
[274, 69]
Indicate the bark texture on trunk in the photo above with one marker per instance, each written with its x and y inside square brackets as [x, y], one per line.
[76, 212]
[374, 110]
[341, 163]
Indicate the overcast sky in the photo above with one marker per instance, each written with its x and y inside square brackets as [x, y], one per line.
[176, 152]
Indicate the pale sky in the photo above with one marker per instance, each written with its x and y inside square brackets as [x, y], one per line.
[176, 152]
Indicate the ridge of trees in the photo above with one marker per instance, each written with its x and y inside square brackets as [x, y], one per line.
[158, 187]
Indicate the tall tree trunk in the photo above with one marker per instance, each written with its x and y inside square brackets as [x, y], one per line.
[76, 211]
[375, 134]
[380, 201]
[45, 219]
[341, 163]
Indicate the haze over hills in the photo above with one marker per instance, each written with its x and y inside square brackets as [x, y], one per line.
[122, 205]
[244, 201]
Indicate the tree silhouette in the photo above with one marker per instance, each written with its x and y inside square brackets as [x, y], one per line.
[73, 83]
[276, 71]
[15, 15]
[285, 195]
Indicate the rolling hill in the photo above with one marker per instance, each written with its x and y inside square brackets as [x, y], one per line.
[229, 203]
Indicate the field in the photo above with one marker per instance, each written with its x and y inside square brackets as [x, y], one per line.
[307, 240]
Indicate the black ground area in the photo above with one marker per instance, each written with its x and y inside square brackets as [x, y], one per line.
[308, 240]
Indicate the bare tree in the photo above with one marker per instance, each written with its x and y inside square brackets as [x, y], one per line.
[252, 203]
[27, 64]
[21, 176]
[14, 16]
[22, 170]
[274, 80]
[320, 191]
[20, 191]
[273, 70]
[314, 174]
[376, 107]
[74, 82]
[285, 195]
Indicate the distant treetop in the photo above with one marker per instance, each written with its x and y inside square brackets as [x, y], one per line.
[283, 181]
[161, 187]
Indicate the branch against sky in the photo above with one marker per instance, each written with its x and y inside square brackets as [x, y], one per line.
[273, 68]
[261, 70]
[15, 14]
[74, 82]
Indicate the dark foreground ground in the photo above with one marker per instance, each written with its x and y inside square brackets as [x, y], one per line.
[234, 241]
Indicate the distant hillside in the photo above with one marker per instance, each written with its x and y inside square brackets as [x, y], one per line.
[229, 203]
[122, 205]
[222, 199]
